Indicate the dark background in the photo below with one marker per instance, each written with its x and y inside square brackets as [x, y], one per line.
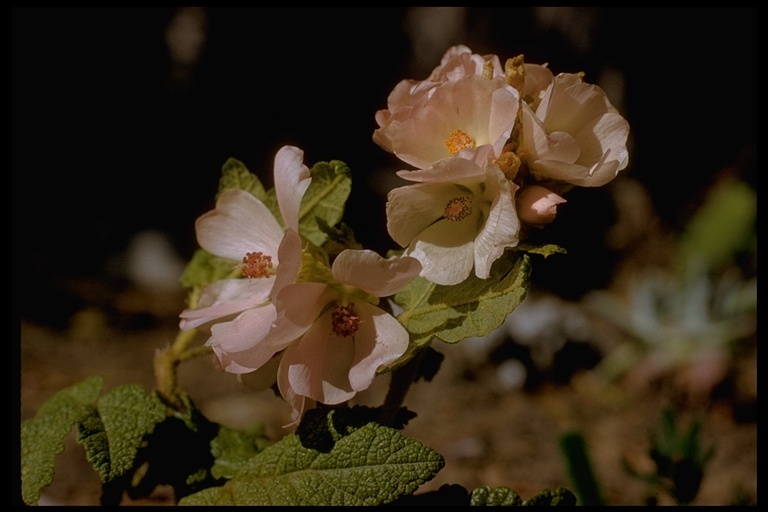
[107, 143]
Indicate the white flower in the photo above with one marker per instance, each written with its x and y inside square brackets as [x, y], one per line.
[574, 135]
[460, 216]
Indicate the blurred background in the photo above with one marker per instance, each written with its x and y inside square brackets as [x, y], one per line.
[122, 118]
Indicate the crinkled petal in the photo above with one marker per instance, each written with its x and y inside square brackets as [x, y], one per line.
[502, 226]
[240, 223]
[227, 297]
[318, 364]
[380, 340]
[292, 178]
[372, 273]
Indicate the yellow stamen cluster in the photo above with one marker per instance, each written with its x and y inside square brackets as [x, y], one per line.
[458, 208]
[256, 264]
[458, 140]
[344, 320]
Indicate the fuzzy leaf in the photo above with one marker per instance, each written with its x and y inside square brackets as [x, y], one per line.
[42, 437]
[234, 174]
[325, 199]
[113, 430]
[351, 465]
[493, 497]
[560, 497]
[472, 308]
[233, 448]
[205, 268]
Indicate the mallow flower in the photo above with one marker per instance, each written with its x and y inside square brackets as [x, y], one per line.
[459, 215]
[334, 335]
[457, 62]
[456, 117]
[242, 228]
[573, 134]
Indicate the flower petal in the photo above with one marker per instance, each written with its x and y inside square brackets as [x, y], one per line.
[292, 178]
[298, 306]
[240, 223]
[374, 274]
[227, 297]
[240, 344]
[318, 364]
[380, 340]
[501, 228]
[445, 250]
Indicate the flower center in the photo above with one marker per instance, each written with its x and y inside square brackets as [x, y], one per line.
[256, 264]
[458, 208]
[458, 140]
[344, 320]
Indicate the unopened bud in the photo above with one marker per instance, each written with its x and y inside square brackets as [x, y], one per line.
[537, 205]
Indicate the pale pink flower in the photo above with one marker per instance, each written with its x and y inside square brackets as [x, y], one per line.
[537, 205]
[242, 228]
[458, 62]
[333, 334]
[574, 134]
[456, 118]
[461, 215]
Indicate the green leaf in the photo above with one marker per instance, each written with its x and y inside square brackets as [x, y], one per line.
[363, 465]
[543, 250]
[42, 437]
[234, 174]
[494, 497]
[233, 448]
[112, 431]
[472, 308]
[205, 268]
[561, 497]
[324, 199]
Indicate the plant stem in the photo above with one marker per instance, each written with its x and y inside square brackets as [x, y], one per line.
[166, 363]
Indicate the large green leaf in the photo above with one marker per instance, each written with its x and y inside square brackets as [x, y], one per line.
[113, 430]
[345, 464]
[472, 308]
[324, 199]
[42, 437]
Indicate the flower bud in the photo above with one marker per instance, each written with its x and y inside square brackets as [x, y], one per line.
[537, 205]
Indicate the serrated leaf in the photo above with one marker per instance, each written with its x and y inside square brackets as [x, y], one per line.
[42, 437]
[111, 434]
[205, 268]
[325, 198]
[234, 174]
[232, 449]
[494, 497]
[368, 465]
[559, 497]
[472, 308]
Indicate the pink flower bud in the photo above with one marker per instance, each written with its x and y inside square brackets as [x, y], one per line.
[537, 205]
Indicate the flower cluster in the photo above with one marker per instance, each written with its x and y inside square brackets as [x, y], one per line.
[493, 147]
